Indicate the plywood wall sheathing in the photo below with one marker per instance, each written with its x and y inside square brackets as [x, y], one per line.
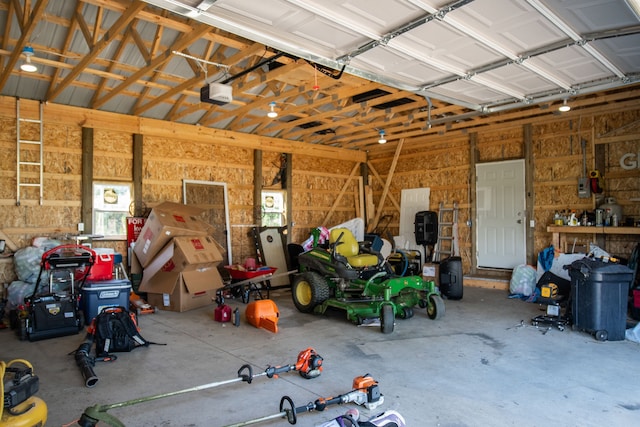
[172, 152]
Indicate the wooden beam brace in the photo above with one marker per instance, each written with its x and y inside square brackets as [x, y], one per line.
[374, 224]
[392, 198]
[27, 29]
[124, 20]
[87, 179]
[342, 191]
[165, 56]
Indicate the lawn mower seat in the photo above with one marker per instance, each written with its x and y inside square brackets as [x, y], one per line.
[348, 247]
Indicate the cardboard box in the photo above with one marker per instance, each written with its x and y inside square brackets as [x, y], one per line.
[184, 274]
[431, 272]
[166, 221]
[190, 291]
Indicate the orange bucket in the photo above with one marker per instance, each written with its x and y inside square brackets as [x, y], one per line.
[263, 314]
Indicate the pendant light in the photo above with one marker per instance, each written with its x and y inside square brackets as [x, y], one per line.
[382, 138]
[564, 107]
[27, 66]
[272, 112]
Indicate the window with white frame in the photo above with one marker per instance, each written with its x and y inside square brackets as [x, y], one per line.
[273, 209]
[111, 201]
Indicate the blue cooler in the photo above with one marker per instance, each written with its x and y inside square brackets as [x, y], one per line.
[97, 295]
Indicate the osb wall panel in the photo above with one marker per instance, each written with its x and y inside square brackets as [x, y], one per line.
[442, 165]
[558, 159]
[316, 185]
[167, 162]
[59, 213]
[497, 146]
[620, 183]
[113, 152]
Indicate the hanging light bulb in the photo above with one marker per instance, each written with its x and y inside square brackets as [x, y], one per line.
[564, 107]
[272, 112]
[382, 139]
[27, 66]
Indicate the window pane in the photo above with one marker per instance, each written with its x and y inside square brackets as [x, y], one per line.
[272, 219]
[110, 223]
[111, 197]
[111, 203]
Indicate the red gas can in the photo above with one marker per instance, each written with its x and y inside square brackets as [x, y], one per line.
[222, 313]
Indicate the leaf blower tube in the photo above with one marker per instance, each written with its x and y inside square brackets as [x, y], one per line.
[85, 362]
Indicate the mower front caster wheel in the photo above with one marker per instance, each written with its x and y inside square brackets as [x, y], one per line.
[387, 319]
[435, 307]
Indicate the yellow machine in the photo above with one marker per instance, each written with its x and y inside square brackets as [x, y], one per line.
[19, 407]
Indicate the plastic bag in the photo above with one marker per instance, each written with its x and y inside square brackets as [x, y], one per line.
[26, 262]
[523, 280]
[633, 334]
[17, 291]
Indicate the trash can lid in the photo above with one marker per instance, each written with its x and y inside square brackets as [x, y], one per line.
[589, 266]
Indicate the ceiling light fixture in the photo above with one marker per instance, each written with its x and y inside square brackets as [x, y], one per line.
[564, 107]
[382, 139]
[272, 113]
[27, 66]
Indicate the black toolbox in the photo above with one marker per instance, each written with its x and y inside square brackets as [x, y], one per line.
[599, 294]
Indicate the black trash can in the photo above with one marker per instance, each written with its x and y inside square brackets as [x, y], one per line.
[451, 277]
[599, 293]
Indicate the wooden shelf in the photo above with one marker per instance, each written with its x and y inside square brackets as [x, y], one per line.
[558, 238]
[579, 229]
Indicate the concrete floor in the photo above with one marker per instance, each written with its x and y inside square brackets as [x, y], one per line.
[477, 366]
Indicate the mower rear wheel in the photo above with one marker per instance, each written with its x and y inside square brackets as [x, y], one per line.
[435, 307]
[308, 290]
[387, 318]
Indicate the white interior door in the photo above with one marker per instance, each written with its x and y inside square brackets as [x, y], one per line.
[500, 210]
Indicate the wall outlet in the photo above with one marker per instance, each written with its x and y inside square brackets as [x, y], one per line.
[81, 227]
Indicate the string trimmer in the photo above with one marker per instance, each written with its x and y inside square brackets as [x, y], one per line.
[365, 392]
[308, 365]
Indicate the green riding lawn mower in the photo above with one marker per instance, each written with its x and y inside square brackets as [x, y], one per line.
[350, 276]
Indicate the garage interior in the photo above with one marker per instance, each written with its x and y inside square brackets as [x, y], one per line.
[345, 112]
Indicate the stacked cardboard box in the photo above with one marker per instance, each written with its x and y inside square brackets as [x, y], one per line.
[179, 258]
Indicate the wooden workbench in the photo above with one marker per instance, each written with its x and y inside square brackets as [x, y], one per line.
[599, 234]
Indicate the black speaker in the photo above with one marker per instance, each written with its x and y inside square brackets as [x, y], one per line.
[451, 277]
[426, 228]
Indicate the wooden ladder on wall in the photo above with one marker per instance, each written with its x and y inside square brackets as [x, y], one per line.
[28, 161]
[447, 218]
